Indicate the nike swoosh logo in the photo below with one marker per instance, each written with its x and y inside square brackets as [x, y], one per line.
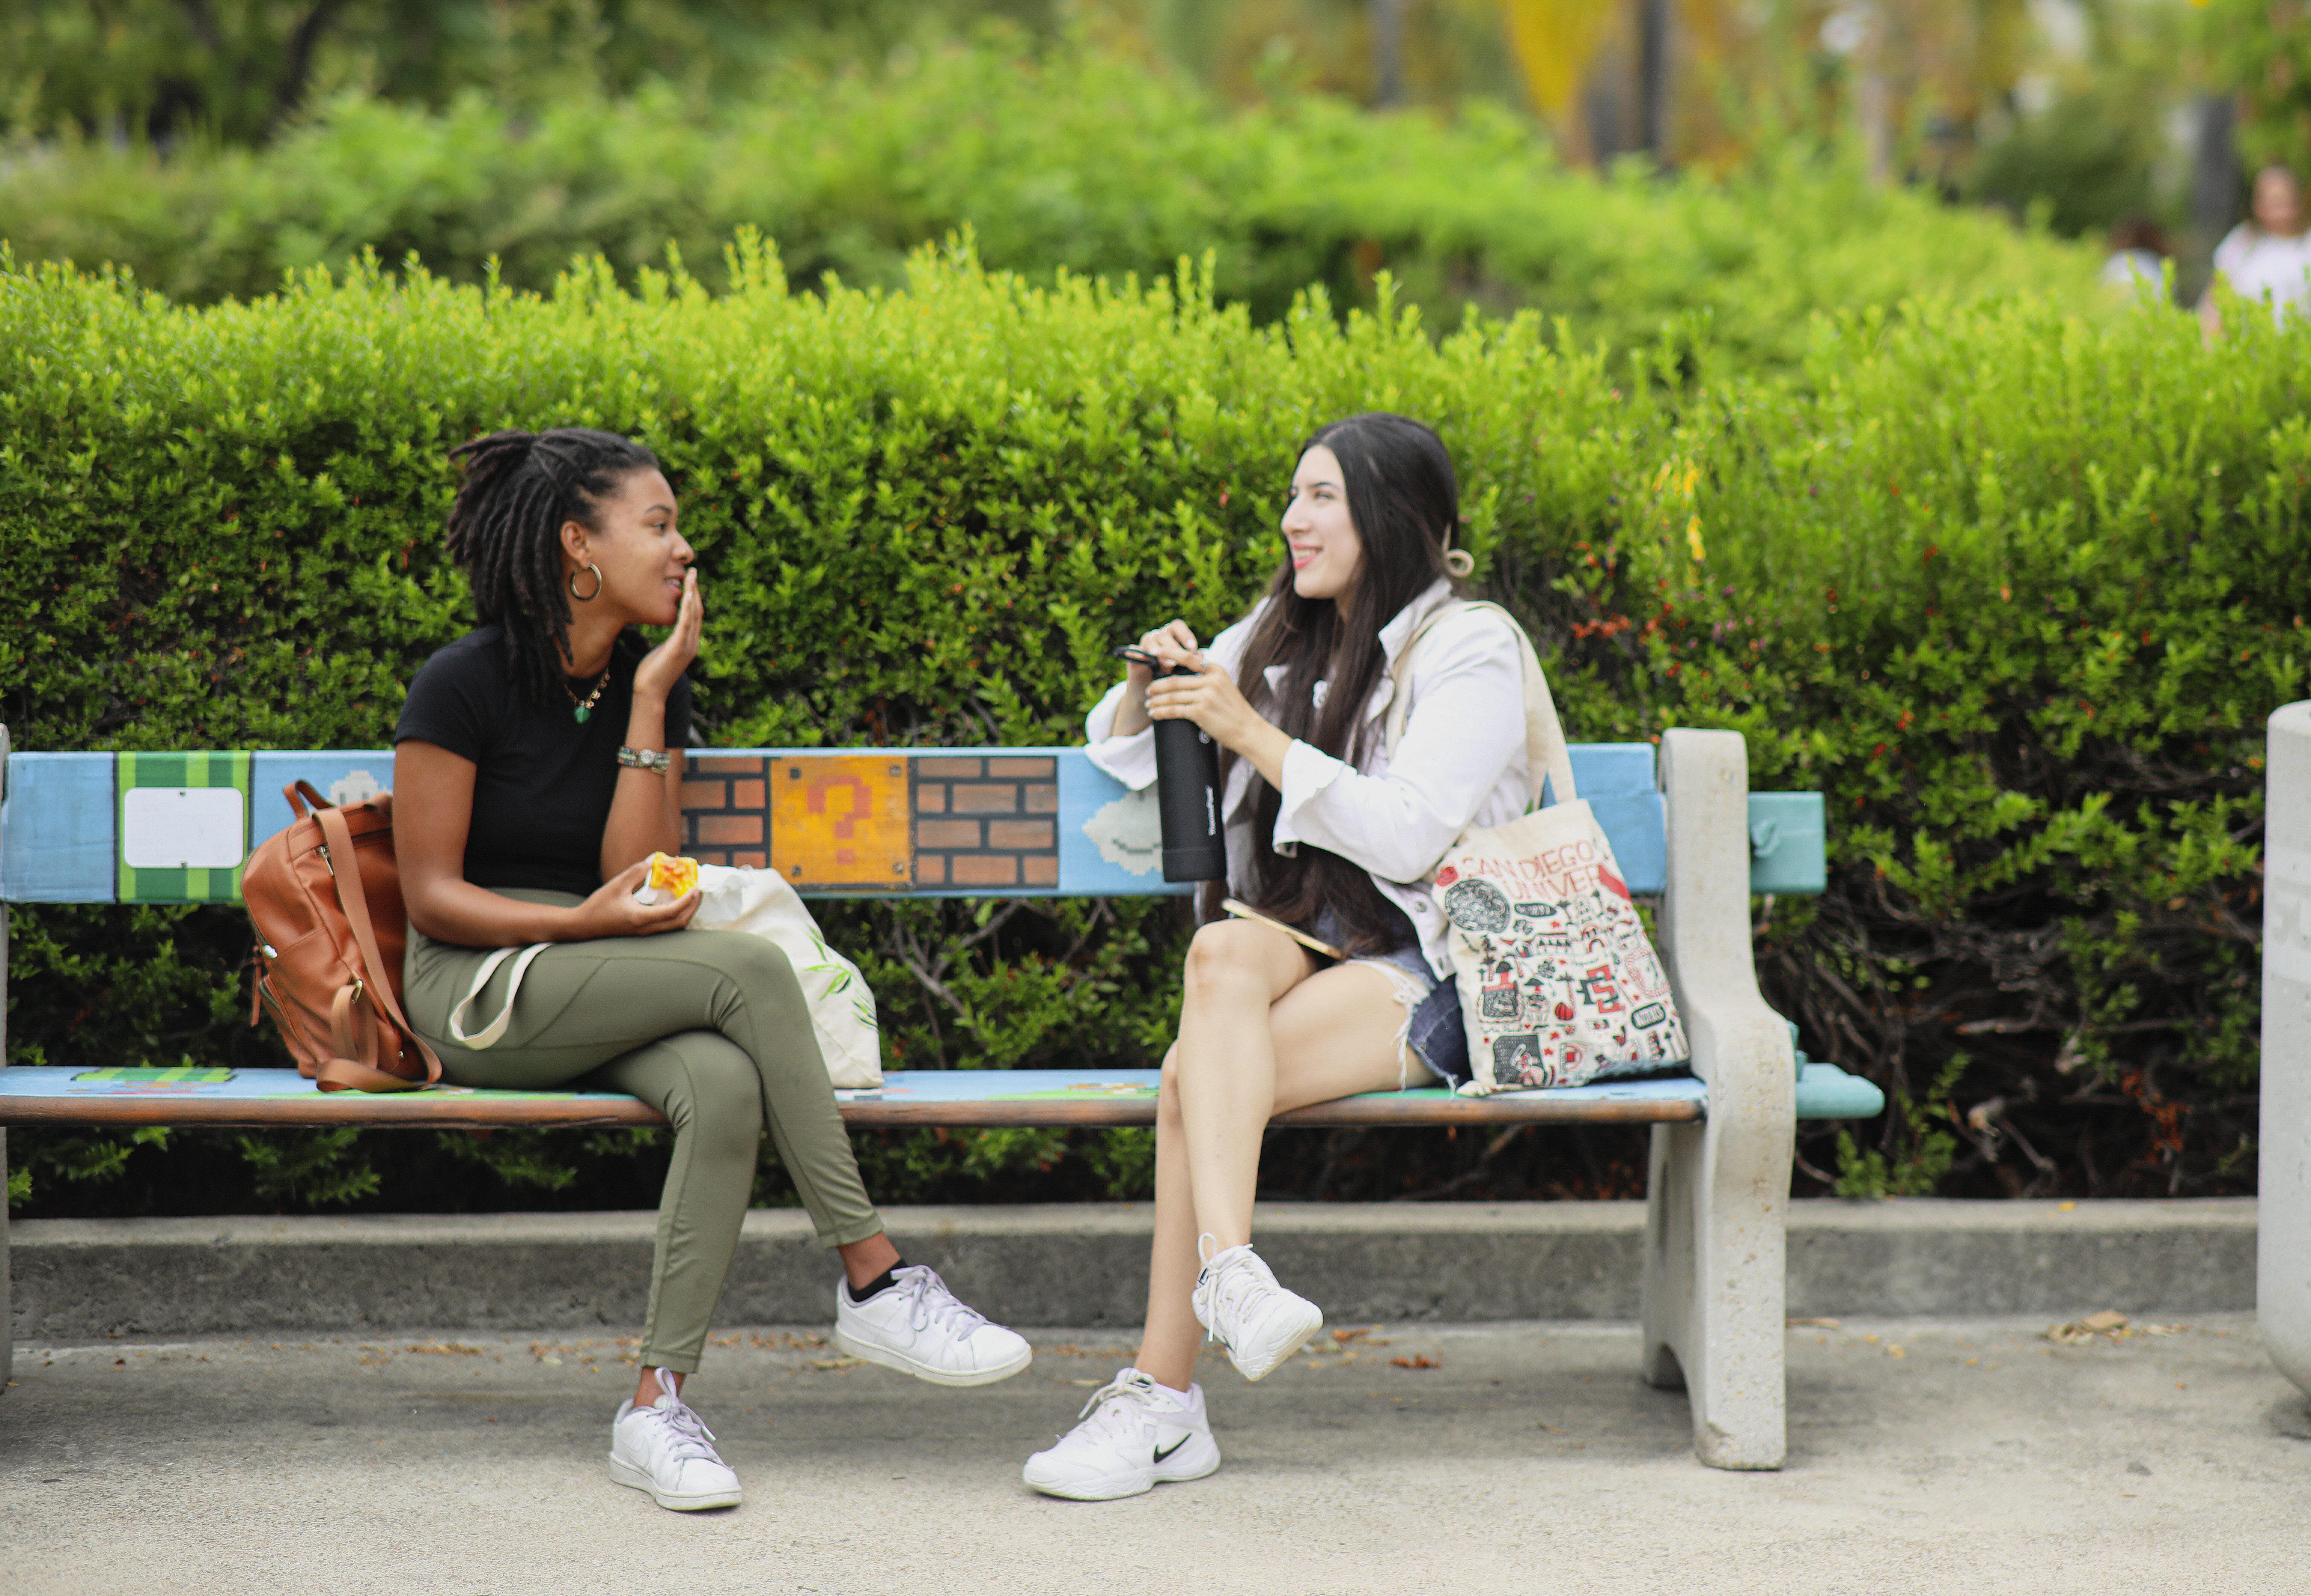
[1165, 1452]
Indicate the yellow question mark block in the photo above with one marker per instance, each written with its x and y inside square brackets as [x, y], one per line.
[843, 820]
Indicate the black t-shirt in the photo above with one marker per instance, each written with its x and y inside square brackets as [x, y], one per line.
[542, 782]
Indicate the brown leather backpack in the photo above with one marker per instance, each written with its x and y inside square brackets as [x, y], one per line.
[325, 897]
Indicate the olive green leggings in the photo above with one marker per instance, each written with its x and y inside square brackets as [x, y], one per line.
[709, 1027]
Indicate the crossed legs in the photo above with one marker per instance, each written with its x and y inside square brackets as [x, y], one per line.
[1262, 1029]
[712, 1029]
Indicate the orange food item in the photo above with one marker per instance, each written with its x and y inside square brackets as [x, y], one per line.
[668, 872]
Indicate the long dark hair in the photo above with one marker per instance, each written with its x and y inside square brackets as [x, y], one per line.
[1405, 502]
[516, 490]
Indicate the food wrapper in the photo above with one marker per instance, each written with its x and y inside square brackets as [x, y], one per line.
[670, 875]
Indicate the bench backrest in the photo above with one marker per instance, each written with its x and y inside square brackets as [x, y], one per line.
[173, 828]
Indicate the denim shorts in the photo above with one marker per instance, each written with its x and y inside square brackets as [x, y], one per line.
[1432, 1033]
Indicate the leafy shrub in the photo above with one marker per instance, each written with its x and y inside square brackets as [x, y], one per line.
[2013, 588]
[1079, 158]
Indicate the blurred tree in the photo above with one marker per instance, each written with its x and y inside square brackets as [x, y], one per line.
[1556, 41]
[237, 69]
[2262, 51]
[1418, 52]
[2083, 163]
[153, 66]
[1559, 46]
[2089, 137]
[1923, 81]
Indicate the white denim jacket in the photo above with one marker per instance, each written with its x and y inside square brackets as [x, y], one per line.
[1462, 760]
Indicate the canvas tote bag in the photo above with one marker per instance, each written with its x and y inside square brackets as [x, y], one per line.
[1559, 984]
[762, 903]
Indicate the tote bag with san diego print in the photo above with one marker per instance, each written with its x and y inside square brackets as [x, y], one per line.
[1559, 984]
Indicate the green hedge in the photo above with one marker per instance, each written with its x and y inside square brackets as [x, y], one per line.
[1078, 157]
[2013, 588]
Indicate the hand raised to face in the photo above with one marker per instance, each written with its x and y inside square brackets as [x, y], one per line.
[663, 666]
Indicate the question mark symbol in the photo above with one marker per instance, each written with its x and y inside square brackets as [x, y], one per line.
[846, 826]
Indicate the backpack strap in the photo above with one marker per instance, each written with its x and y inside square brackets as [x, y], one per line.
[1546, 755]
[357, 1067]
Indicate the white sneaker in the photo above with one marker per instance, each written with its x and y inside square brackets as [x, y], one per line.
[918, 1327]
[1134, 1434]
[666, 1449]
[1242, 1308]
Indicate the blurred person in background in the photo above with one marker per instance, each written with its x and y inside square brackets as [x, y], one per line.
[2139, 253]
[2269, 257]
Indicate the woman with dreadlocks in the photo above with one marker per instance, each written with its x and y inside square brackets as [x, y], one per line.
[537, 766]
[1330, 841]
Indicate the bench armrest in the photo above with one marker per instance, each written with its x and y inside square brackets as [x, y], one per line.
[1740, 1046]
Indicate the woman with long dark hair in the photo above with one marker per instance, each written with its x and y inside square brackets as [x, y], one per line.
[537, 766]
[1329, 835]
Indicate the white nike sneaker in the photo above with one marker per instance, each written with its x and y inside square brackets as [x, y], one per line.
[918, 1327]
[666, 1449]
[1242, 1308]
[1134, 1434]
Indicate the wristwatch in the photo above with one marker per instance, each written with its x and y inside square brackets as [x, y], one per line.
[646, 759]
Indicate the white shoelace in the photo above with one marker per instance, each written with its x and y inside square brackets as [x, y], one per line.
[1117, 1408]
[686, 1433]
[929, 1302]
[1228, 1287]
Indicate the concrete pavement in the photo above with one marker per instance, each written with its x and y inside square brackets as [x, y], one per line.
[1928, 1456]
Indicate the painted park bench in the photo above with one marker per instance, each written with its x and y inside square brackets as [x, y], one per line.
[977, 823]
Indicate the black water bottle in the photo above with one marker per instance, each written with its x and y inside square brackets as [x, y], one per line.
[1186, 790]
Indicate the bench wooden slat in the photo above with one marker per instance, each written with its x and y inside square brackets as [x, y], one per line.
[60, 1096]
[912, 822]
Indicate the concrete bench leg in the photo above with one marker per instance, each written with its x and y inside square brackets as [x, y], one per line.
[1718, 1193]
[7, 1315]
[2283, 1238]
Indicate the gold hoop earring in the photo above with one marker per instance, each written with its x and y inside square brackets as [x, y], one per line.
[587, 597]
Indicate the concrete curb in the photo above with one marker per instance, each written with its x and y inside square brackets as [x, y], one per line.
[1085, 1265]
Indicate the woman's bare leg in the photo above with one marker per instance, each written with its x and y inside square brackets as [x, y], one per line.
[1225, 1061]
[1169, 1345]
[1258, 1034]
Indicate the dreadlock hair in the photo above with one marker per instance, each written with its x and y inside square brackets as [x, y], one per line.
[515, 492]
[1405, 502]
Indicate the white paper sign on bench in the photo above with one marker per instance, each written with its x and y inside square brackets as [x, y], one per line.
[183, 828]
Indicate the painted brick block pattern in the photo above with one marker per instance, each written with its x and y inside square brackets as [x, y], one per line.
[978, 823]
[724, 815]
[987, 823]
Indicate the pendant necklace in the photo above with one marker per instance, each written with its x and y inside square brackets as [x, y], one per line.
[585, 710]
